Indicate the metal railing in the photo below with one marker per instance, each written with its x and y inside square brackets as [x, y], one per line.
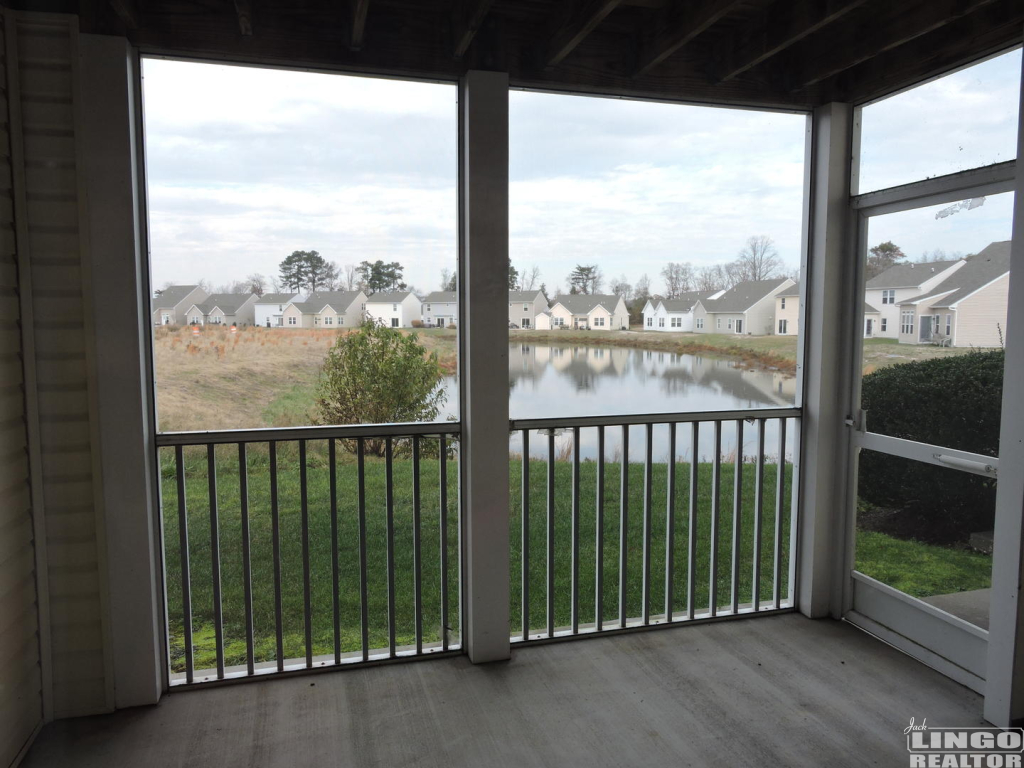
[293, 549]
[703, 556]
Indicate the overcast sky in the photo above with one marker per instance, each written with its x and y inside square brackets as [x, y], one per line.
[246, 165]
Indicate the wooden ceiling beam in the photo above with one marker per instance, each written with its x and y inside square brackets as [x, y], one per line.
[127, 12]
[469, 16]
[243, 9]
[571, 25]
[675, 27]
[358, 26]
[784, 23]
[828, 54]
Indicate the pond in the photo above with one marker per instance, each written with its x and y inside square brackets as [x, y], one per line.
[552, 381]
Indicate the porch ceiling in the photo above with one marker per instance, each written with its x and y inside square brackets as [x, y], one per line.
[784, 690]
[774, 53]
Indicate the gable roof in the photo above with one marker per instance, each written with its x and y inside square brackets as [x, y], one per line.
[441, 297]
[743, 296]
[908, 275]
[524, 296]
[793, 292]
[980, 270]
[275, 298]
[394, 297]
[172, 295]
[869, 310]
[340, 301]
[228, 303]
[685, 301]
[585, 303]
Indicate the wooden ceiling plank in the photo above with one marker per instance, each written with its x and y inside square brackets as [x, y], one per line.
[126, 12]
[570, 30]
[243, 9]
[358, 29]
[783, 24]
[469, 17]
[677, 26]
[829, 54]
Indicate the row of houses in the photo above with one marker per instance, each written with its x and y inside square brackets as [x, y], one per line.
[960, 303]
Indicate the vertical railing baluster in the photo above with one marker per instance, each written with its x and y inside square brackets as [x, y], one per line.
[758, 514]
[623, 524]
[417, 565]
[670, 522]
[364, 604]
[525, 560]
[243, 497]
[737, 516]
[218, 601]
[389, 494]
[780, 488]
[599, 536]
[275, 523]
[307, 604]
[575, 609]
[551, 535]
[645, 609]
[186, 580]
[716, 493]
[691, 544]
[442, 448]
[332, 460]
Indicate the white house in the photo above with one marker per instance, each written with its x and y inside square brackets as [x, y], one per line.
[170, 306]
[748, 308]
[524, 308]
[395, 310]
[440, 309]
[599, 312]
[223, 309]
[787, 314]
[542, 322]
[966, 309]
[326, 309]
[269, 308]
[674, 314]
[891, 288]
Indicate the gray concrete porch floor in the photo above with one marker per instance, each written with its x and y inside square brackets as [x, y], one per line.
[772, 691]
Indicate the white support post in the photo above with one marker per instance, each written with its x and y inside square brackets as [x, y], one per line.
[108, 145]
[828, 284]
[1004, 677]
[483, 333]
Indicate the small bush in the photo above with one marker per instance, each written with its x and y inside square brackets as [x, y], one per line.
[953, 402]
[451, 326]
[417, 323]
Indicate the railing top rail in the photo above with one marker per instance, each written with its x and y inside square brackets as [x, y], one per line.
[654, 418]
[346, 431]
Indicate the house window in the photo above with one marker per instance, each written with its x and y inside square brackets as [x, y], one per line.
[661, 322]
[598, 321]
[730, 325]
[885, 324]
[783, 327]
[428, 308]
[394, 322]
[526, 307]
[526, 322]
[328, 320]
[783, 304]
[341, 320]
[718, 323]
[907, 324]
[650, 322]
[394, 307]
[700, 323]
[889, 296]
[949, 324]
[677, 322]
[291, 321]
[280, 308]
[195, 320]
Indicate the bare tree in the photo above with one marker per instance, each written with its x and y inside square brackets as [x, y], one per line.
[642, 289]
[530, 278]
[347, 277]
[447, 278]
[709, 279]
[620, 287]
[758, 260]
[257, 283]
[204, 284]
[678, 278]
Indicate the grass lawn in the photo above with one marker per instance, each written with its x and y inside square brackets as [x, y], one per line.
[921, 570]
[229, 529]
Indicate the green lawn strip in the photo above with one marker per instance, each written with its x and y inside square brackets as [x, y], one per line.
[229, 529]
[921, 570]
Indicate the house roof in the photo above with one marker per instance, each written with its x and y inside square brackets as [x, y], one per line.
[793, 292]
[275, 298]
[743, 296]
[339, 300]
[585, 303]
[394, 297]
[980, 270]
[908, 275]
[685, 301]
[869, 310]
[441, 297]
[172, 295]
[228, 303]
[524, 296]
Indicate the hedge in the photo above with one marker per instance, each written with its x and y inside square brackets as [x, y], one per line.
[953, 402]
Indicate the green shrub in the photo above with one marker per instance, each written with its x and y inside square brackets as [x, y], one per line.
[953, 402]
